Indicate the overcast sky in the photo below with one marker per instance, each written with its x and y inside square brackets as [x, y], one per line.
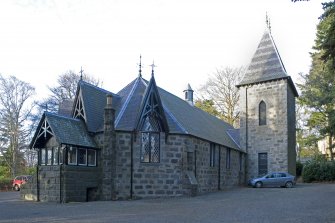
[187, 39]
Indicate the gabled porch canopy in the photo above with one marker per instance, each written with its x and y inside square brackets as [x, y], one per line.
[66, 130]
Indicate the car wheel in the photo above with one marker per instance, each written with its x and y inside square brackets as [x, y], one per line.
[16, 187]
[258, 184]
[289, 184]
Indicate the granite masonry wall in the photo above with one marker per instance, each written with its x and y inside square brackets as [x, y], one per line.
[184, 169]
[272, 138]
[63, 184]
[291, 132]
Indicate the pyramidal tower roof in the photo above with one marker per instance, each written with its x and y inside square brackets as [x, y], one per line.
[266, 64]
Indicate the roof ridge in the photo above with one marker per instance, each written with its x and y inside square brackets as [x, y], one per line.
[97, 88]
[122, 110]
[61, 116]
[232, 138]
[277, 52]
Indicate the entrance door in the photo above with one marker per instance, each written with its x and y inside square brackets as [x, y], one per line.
[262, 163]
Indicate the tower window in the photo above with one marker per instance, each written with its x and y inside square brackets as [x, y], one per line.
[262, 113]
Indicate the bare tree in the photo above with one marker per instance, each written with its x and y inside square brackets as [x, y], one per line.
[15, 112]
[65, 90]
[220, 88]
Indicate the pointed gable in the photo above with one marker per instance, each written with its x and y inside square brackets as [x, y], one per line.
[66, 131]
[89, 105]
[151, 109]
[131, 98]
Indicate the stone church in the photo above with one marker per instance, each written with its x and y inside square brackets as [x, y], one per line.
[146, 142]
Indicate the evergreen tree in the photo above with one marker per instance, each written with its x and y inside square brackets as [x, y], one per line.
[318, 89]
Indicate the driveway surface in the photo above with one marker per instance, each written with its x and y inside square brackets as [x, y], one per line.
[303, 203]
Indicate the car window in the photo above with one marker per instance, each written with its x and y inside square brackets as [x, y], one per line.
[282, 175]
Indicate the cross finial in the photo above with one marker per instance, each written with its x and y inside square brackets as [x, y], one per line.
[268, 23]
[152, 68]
[81, 73]
[140, 67]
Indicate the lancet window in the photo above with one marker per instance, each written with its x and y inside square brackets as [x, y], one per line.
[150, 132]
[262, 113]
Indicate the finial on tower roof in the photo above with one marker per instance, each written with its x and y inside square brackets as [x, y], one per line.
[81, 73]
[152, 68]
[268, 23]
[140, 67]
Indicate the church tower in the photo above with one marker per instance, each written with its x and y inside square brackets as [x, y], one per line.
[267, 112]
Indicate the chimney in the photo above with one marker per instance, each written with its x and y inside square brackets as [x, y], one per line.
[189, 94]
[109, 152]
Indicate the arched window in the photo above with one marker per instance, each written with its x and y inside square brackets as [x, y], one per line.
[262, 113]
[150, 141]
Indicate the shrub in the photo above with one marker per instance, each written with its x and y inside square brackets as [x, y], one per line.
[5, 184]
[318, 170]
[299, 167]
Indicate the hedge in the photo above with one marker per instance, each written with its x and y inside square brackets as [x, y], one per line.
[5, 184]
[318, 171]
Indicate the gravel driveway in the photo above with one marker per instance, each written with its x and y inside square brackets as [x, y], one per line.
[303, 203]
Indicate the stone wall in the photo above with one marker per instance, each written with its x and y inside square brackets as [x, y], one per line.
[159, 179]
[123, 165]
[63, 184]
[81, 183]
[291, 132]
[273, 137]
[184, 168]
[219, 176]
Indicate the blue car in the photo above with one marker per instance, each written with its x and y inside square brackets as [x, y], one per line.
[275, 179]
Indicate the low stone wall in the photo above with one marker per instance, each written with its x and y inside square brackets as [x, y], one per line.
[63, 184]
[81, 183]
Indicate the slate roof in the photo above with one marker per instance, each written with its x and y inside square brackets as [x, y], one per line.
[94, 99]
[131, 98]
[182, 118]
[67, 130]
[266, 64]
[188, 119]
[235, 136]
